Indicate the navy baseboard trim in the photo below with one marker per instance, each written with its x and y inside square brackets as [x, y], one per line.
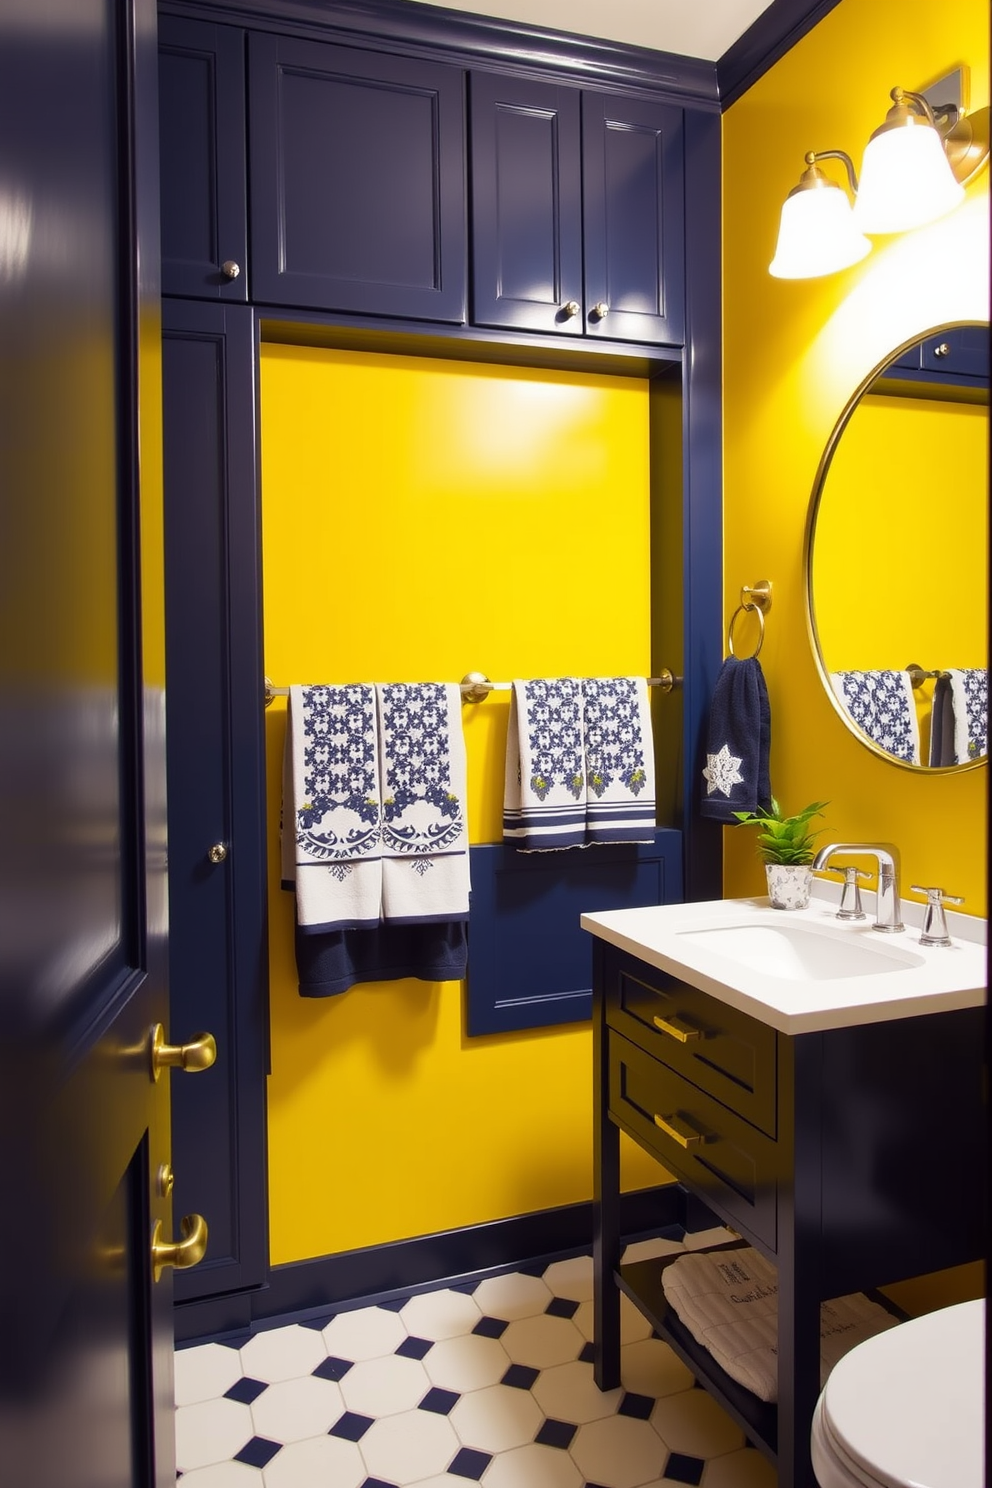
[379, 1271]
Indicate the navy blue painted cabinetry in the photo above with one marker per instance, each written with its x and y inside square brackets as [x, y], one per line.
[577, 211]
[357, 180]
[954, 358]
[216, 785]
[202, 159]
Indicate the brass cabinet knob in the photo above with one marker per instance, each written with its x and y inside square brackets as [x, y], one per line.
[230, 269]
[942, 350]
[189, 1251]
[217, 853]
[571, 309]
[198, 1054]
[601, 309]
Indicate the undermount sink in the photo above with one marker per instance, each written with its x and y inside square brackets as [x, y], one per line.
[799, 953]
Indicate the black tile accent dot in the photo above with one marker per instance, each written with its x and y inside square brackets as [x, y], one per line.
[439, 1401]
[520, 1376]
[588, 1356]
[468, 1463]
[376, 1483]
[351, 1427]
[556, 1434]
[393, 1304]
[318, 1324]
[533, 1268]
[332, 1369]
[684, 1469]
[638, 1406]
[490, 1327]
[415, 1348]
[468, 1287]
[258, 1452]
[562, 1307]
[246, 1390]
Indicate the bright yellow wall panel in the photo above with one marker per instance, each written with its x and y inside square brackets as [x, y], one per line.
[794, 351]
[422, 519]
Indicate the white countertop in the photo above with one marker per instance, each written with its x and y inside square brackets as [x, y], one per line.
[930, 979]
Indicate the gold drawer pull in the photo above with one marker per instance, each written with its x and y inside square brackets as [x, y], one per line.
[686, 1138]
[676, 1029]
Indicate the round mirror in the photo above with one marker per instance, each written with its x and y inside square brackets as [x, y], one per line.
[896, 554]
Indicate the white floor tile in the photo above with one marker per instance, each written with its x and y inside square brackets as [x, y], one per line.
[650, 1367]
[384, 1387]
[692, 1422]
[467, 1363]
[700, 1239]
[648, 1250]
[364, 1333]
[442, 1314]
[568, 1392]
[212, 1431]
[205, 1372]
[571, 1278]
[512, 1296]
[224, 1475]
[634, 1326]
[542, 1342]
[619, 1452]
[532, 1467]
[316, 1463]
[282, 1353]
[744, 1469]
[296, 1409]
[496, 1419]
[405, 1448]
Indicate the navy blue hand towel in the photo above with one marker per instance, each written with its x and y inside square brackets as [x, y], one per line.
[736, 776]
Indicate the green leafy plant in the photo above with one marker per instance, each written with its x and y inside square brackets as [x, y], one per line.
[784, 839]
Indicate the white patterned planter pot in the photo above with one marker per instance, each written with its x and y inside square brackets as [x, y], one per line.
[789, 884]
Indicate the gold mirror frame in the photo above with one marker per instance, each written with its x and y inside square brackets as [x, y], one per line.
[819, 483]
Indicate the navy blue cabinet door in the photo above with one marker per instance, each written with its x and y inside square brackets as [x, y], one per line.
[216, 783]
[632, 181]
[357, 180]
[526, 205]
[202, 149]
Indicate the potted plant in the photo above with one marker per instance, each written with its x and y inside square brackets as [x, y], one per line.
[786, 847]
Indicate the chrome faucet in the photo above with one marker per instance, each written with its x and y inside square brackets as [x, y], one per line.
[887, 856]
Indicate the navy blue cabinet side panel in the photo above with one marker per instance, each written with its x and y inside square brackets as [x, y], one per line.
[632, 174]
[216, 785]
[526, 204]
[357, 180]
[530, 962]
[202, 154]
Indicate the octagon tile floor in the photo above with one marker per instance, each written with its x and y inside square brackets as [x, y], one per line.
[486, 1382]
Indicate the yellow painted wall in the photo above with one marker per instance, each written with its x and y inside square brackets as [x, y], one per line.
[794, 351]
[422, 519]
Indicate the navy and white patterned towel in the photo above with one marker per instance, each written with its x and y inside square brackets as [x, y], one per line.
[579, 763]
[959, 721]
[331, 828]
[882, 705]
[425, 865]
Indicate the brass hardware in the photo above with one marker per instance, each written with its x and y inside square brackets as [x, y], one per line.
[476, 687]
[230, 269]
[189, 1251]
[571, 309]
[601, 309]
[218, 852]
[198, 1054]
[677, 1029]
[942, 350]
[165, 1180]
[756, 599]
[665, 681]
[686, 1138]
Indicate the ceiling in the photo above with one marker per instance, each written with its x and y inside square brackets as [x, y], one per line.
[690, 28]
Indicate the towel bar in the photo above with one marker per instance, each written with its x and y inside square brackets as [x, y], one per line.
[476, 686]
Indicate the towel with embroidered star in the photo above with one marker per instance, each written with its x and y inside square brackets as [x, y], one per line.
[736, 773]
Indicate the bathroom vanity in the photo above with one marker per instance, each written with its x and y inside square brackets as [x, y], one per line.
[818, 1085]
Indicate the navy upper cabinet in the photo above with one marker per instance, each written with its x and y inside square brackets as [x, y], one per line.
[202, 150]
[357, 180]
[577, 211]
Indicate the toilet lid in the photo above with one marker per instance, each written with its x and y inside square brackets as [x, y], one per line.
[906, 1407]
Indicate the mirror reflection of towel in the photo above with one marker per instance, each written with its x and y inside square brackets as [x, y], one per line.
[882, 705]
[738, 741]
[959, 720]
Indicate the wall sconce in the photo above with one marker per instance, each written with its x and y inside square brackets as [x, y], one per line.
[914, 170]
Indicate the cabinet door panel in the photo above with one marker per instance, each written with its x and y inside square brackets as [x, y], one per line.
[632, 177]
[357, 180]
[202, 159]
[526, 205]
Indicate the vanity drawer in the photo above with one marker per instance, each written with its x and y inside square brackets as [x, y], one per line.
[729, 1055]
[728, 1163]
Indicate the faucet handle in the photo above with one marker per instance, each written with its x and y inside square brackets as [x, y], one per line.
[850, 899]
[934, 921]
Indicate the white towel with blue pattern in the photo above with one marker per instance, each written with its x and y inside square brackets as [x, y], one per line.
[959, 720]
[579, 763]
[425, 863]
[728, 1300]
[882, 705]
[331, 830]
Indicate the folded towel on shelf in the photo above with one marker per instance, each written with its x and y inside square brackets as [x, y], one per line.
[728, 1300]
[331, 830]
[425, 865]
[738, 742]
[579, 763]
[881, 703]
[959, 718]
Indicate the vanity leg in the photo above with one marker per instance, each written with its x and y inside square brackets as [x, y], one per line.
[606, 1199]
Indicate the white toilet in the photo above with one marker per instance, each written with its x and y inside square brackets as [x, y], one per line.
[905, 1409]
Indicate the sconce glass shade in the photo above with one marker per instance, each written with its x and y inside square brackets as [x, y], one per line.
[906, 178]
[817, 234]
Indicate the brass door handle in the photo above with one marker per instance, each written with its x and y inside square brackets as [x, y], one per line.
[686, 1138]
[189, 1251]
[684, 1033]
[198, 1054]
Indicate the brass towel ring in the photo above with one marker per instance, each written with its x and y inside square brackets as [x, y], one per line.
[756, 599]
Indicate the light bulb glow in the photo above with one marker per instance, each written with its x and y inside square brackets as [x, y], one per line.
[906, 180]
[817, 235]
